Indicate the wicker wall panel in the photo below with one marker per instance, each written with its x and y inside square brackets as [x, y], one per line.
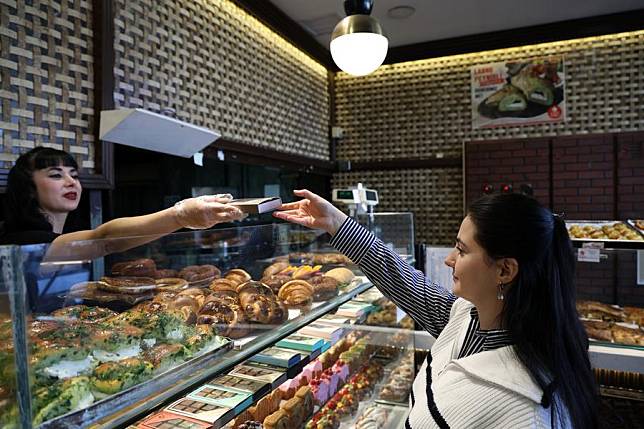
[46, 79]
[428, 193]
[422, 108]
[218, 67]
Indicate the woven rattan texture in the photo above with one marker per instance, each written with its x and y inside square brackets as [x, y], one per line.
[423, 108]
[434, 196]
[46, 78]
[218, 67]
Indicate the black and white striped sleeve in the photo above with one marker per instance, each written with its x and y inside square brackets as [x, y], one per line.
[426, 302]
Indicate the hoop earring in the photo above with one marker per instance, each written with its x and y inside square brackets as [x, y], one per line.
[499, 293]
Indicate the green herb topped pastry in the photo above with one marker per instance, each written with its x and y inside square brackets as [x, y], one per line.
[507, 99]
[112, 377]
[535, 89]
[60, 398]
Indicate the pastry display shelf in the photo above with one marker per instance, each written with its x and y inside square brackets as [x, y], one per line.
[120, 410]
[617, 357]
[607, 244]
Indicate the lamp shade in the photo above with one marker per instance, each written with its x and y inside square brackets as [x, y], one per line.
[358, 45]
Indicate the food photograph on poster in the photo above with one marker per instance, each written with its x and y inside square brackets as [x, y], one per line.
[518, 93]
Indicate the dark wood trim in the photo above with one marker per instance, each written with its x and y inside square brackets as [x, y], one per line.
[556, 31]
[281, 23]
[103, 93]
[406, 164]
[615, 142]
[254, 155]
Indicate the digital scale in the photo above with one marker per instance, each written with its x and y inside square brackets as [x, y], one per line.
[359, 200]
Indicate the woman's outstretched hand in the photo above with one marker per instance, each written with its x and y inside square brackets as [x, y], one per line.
[206, 211]
[313, 212]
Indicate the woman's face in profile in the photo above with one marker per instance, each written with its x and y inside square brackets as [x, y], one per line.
[58, 189]
[473, 274]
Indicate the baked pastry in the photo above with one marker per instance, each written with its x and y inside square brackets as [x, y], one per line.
[597, 310]
[143, 267]
[296, 293]
[227, 319]
[199, 274]
[164, 356]
[165, 295]
[324, 287]
[275, 268]
[171, 283]
[223, 284]
[624, 335]
[278, 420]
[256, 300]
[84, 313]
[238, 276]
[112, 377]
[635, 315]
[293, 408]
[305, 271]
[276, 281]
[127, 285]
[344, 276]
[305, 395]
[165, 273]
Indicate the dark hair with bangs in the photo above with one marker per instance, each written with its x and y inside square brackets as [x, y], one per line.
[22, 210]
[539, 306]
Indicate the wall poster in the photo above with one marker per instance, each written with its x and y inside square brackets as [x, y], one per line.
[518, 93]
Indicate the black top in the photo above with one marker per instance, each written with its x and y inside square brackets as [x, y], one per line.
[27, 237]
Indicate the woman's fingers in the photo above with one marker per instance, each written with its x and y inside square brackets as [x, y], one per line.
[293, 205]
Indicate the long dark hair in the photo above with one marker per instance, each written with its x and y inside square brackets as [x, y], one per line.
[539, 307]
[22, 210]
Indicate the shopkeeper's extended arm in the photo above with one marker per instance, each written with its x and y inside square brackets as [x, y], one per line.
[427, 303]
[125, 233]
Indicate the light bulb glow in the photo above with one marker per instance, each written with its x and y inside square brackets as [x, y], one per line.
[359, 53]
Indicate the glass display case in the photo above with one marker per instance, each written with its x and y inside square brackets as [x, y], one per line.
[102, 332]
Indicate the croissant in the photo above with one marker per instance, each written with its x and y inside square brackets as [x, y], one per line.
[223, 284]
[296, 293]
[238, 276]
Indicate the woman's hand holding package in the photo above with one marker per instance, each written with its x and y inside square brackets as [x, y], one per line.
[313, 212]
[206, 211]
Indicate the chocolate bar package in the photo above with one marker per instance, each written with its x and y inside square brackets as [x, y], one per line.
[256, 388]
[261, 372]
[223, 396]
[214, 414]
[167, 420]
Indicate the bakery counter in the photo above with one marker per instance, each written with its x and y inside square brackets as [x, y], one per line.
[335, 372]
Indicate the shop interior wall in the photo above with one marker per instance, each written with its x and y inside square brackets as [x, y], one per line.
[593, 177]
[216, 66]
[421, 110]
[47, 80]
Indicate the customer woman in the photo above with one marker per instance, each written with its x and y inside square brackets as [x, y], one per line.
[510, 350]
[43, 188]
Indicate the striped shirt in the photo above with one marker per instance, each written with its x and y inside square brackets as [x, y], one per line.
[479, 384]
[426, 302]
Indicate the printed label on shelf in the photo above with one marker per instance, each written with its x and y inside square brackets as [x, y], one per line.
[593, 245]
[588, 254]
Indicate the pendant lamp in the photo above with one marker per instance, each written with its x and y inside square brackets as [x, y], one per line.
[358, 45]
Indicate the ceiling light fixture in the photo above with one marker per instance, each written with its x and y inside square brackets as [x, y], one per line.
[358, 45]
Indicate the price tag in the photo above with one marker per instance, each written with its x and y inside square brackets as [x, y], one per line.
[588, 254]
[593, 245]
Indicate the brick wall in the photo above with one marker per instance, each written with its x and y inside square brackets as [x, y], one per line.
[574, 176]
[582, 177]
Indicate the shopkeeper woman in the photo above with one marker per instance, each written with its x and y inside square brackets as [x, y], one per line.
[43, 188]
[510, 351]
